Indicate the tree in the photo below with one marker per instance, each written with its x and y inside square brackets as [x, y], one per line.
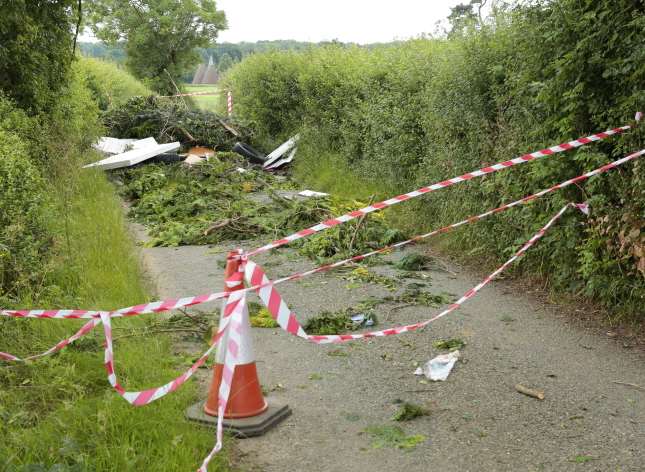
[159, 35]
[225, 62]
[36, 50]
[463, 15]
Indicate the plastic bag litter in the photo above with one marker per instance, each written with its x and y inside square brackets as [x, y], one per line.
[361, 319]
[312, 193]
[439, 368]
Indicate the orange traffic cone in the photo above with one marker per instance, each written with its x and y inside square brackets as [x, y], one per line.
[245, 398]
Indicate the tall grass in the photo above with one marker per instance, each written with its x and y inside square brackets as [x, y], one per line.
[203, 102]
[59, 412]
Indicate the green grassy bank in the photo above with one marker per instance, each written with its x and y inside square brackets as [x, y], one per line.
[59, 413]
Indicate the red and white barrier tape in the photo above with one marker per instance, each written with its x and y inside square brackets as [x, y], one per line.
[236, 304]
[287, 320]
[233, 310]
[86, 328]
[172, 304]
[446, 183]
[229, 103]
[190, 94]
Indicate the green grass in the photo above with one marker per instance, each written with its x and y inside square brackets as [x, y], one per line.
[204, 102]
[60, 411]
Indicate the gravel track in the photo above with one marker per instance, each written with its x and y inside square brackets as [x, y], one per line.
[478, 422]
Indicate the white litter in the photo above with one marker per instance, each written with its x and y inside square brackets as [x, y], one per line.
[283, 161]
[192, 159]
[142, 144]
[135, 156]
[273, 160]
[361, 320]
[112, 145]
[312, 193]
[439, 368]
[118, 146]
[241, 170]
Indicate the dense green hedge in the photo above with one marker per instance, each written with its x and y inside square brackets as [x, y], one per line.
[421, 111]
[23, 231]
[110, 85]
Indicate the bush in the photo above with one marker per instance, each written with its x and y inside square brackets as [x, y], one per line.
[24, 235]
[167, 121]
[414, 113]
[36, 52]
[111, 86]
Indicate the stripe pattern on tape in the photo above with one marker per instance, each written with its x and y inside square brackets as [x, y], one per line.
[171, 304]
[431, 188]
[289, 323]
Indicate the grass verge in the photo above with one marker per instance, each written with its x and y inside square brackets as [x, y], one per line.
[203, 102]
[59, 413]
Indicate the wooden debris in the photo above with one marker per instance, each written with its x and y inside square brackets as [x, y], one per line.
[201, 151]
[539, 394]
[220, 224]
[633, 385]
[229, 128]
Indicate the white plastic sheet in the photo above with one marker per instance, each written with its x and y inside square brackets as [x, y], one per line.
[439, 368]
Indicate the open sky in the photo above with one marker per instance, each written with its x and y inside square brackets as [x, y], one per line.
[360, 21]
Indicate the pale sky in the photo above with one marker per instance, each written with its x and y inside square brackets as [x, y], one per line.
[360, 21]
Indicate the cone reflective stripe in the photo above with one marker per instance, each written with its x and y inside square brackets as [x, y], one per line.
[245, 397]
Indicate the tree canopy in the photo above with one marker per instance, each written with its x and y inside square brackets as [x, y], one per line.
[159, 35]
[36, 50]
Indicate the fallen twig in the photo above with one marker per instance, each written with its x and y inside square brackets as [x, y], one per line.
[398, 307]
[637, 387]
[358, 226]
[539, 394]
[220, 224]
[229, 128]
[147, 332]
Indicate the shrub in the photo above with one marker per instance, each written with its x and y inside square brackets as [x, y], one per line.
[111, 86]
[417, 112]
[36, 50]
[24, 236]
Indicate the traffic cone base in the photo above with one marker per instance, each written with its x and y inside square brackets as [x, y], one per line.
[246, 397]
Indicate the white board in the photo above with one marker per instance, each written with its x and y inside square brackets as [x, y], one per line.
[118, 146]
[283, 161]
[135, 156]
[112, 145]
[276, 154]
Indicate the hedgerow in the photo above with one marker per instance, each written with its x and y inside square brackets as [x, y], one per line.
[417, 112]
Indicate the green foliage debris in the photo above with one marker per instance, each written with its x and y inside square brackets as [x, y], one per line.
[213, 202]
[413, 262]
[362, 275]
[260, 317]
[169, 120]
[393, 436]
[414, 294]
[449, 344]
[341, 321]
[409, 411]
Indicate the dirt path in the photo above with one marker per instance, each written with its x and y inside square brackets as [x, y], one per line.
[478, 421]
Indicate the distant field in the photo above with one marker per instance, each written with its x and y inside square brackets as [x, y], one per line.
[205, 102]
